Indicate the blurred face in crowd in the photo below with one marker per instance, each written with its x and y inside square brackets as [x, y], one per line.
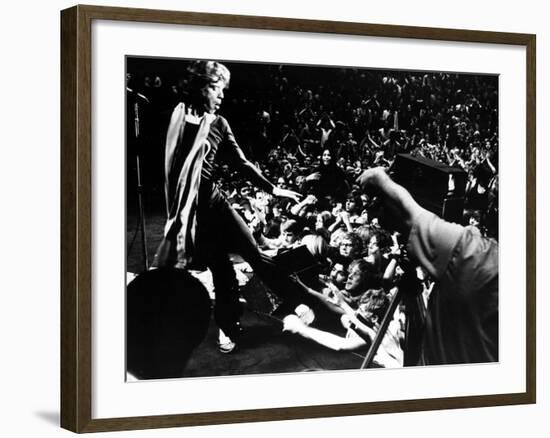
[372, 246]
[288, 237]
[326, 158]
[338, 275]
[346, 247]
[319, 222]
[355, 282]
[350, 205]
[281, 183]
[212, 96]
[261, 199]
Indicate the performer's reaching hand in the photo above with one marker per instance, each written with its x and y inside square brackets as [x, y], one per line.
[285, 193]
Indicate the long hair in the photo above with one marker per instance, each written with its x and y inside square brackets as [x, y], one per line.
[317, 246]
[370, 276]
[376, 301]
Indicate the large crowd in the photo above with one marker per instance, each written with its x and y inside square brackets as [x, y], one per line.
[314, 131]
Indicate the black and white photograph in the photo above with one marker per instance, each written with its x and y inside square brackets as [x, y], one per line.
[285, 218]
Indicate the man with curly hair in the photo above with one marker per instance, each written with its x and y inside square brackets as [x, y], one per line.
[200, 221]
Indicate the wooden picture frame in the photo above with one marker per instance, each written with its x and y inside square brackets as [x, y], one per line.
[76, 218]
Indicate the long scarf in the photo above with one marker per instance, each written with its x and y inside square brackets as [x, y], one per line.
[181, 224]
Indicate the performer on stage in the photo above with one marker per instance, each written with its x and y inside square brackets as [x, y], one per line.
[200, 222]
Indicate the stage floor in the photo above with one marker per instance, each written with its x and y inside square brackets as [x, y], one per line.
[264, 348]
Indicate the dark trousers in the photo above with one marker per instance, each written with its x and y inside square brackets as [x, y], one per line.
[221, 231]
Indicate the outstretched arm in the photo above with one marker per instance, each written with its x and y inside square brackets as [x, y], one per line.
[251, 172]
[333, 305]
[293, 324]
[296, 209]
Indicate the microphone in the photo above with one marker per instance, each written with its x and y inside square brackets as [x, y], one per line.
[137, 95]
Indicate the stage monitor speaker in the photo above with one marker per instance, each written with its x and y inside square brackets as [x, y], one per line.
[437, 187]
[259, 297]
[299, 261]
[295, 260]
[167, 317]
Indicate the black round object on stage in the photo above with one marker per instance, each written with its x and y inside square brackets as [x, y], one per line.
[167, 316]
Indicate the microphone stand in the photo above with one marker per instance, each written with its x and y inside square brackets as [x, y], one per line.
[388, 316]
[137, 138]
[409, 291]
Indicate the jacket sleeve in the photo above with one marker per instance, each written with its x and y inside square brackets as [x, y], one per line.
[432, 241]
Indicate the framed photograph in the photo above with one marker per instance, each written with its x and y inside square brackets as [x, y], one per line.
[267, 219]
